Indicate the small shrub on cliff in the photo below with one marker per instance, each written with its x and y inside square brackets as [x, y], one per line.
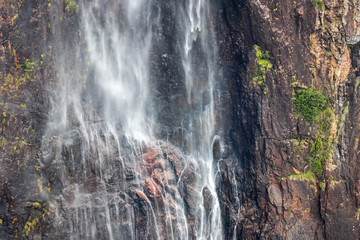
[262, 65]
[309, 103]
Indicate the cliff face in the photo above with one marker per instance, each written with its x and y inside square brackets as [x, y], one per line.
[275, 147]
[284, 173]
[23, 108]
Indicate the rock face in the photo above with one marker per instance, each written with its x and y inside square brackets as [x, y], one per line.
[268, 183]
[307, 44]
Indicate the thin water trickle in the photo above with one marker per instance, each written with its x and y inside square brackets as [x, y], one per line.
[200, 95]
[118, 181]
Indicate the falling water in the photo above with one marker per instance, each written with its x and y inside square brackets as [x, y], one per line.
[100, 141]
[200, 81]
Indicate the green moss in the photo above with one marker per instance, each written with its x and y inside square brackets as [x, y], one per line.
[320, 153]
[312, 106]
[308, 176]
[29, 66]
[262, 65]
[319, 4]
[321, 146]
[309, 103]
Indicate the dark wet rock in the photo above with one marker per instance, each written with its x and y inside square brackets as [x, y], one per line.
[207, 199]
[216, 148]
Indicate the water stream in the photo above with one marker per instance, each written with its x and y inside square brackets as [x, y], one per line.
[101, 140]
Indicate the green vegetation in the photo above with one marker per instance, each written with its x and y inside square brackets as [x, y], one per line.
[20, 78]
[319, 4]
[322, 185]
[309, 103]
[298, 145]
[308, 176]
[333, 181]
[319, 155]
[312, 106]
[326, 119]
[29, 66]
[350, 47]
[71, 6]
[321, 146]
[262, 65]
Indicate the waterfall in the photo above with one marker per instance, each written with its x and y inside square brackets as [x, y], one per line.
[200, 81]
[118, 180]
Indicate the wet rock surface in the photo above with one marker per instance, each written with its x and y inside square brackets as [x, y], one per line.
[130, 201]
[261, 185]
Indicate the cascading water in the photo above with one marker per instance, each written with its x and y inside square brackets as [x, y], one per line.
[200, 80]
[117, 180]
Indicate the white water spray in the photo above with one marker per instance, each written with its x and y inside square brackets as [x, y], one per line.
[101, 126]
[200, 96]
